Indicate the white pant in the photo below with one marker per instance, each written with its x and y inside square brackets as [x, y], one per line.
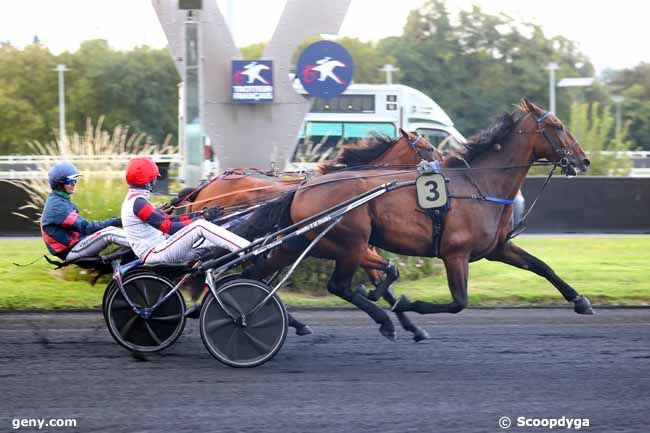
[92, 244]
[179, 246]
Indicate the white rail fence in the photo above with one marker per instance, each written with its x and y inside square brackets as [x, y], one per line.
[32, 166]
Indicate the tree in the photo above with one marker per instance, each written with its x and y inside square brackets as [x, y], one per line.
[136, 88]
[476, 65]
[29, 95]
[593, 126]
[21, 122]
[634, 85]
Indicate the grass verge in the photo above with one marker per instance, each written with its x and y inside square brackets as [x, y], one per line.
[609, 270]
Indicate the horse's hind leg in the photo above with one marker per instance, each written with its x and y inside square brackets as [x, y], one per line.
[339, 285]
[371, 261]
[513, 255]
[457, 270]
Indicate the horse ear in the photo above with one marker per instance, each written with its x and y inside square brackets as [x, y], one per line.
[528, 104]
[404, 134]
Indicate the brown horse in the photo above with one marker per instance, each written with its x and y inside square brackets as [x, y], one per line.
[474, 228]
[237, 189]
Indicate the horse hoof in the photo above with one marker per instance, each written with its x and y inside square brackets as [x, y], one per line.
[388, 331]
[304, 330]
[400, 305]
[583, 306]
[420, 335]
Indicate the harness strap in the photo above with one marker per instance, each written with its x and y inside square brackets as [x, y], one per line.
[497, 200]
[521, 226]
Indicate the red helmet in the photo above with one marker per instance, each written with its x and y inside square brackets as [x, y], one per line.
[141, 171]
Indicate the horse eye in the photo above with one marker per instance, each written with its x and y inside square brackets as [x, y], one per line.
[560, 127]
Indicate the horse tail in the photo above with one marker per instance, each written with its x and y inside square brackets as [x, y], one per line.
[269, 218]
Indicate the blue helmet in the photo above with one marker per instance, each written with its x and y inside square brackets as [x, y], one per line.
[62, 173]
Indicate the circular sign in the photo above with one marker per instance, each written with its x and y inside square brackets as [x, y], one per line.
[325, 69]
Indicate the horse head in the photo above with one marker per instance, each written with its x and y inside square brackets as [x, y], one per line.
[553, 140]
[421, 148]
[409, 149]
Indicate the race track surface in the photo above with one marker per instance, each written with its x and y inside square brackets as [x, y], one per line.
[479, 366]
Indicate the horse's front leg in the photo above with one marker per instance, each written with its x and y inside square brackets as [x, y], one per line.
[513, 255]
[457, 268]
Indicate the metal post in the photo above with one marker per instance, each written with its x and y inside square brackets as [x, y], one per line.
[618, 99]
[230, 18]
[552, 67]
[63, 148]
[389, 69]
[193, 142]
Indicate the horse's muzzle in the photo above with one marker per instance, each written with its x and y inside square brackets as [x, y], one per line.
[574, 166]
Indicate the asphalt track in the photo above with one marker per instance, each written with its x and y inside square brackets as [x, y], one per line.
[479, 366]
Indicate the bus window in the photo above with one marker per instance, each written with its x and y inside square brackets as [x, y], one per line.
[318, 141]
[442, 140]
[321, 140]
[354, 131]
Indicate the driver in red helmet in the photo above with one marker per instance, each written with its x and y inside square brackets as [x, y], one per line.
[157, 237]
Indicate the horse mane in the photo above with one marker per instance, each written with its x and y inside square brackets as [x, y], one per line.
[367, 150]
[484, 140]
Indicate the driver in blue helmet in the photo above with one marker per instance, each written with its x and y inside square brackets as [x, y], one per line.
[67, 234]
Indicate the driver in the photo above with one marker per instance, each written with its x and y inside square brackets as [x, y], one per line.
[157, 237]
[66, 234]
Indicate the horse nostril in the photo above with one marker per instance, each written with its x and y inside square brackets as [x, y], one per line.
[586, 162]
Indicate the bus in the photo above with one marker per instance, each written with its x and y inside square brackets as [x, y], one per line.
[363, 109]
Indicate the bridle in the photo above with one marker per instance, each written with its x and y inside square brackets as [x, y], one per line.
[559, 148]
[563, 163]
[417, 150]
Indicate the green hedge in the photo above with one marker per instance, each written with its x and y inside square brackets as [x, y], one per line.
[313, 274]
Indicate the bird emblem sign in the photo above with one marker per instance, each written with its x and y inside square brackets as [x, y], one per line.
[325, 69]
[252, 81]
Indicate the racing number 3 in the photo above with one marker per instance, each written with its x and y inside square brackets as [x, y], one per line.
[433, 194]
[431, 190]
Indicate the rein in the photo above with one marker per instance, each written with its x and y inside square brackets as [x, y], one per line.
[222, 196]
[521, 225]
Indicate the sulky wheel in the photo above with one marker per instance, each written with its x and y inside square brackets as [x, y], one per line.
[239, 339]
[144, 335]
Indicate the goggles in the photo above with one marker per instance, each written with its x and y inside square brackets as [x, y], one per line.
[71, 180]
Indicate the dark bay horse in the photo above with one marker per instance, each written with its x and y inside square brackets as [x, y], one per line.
[500, 158]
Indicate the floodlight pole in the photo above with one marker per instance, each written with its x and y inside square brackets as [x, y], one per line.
[61, 69]
[389, 69]
[552, 67]
[193, 136]
[617, 100]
